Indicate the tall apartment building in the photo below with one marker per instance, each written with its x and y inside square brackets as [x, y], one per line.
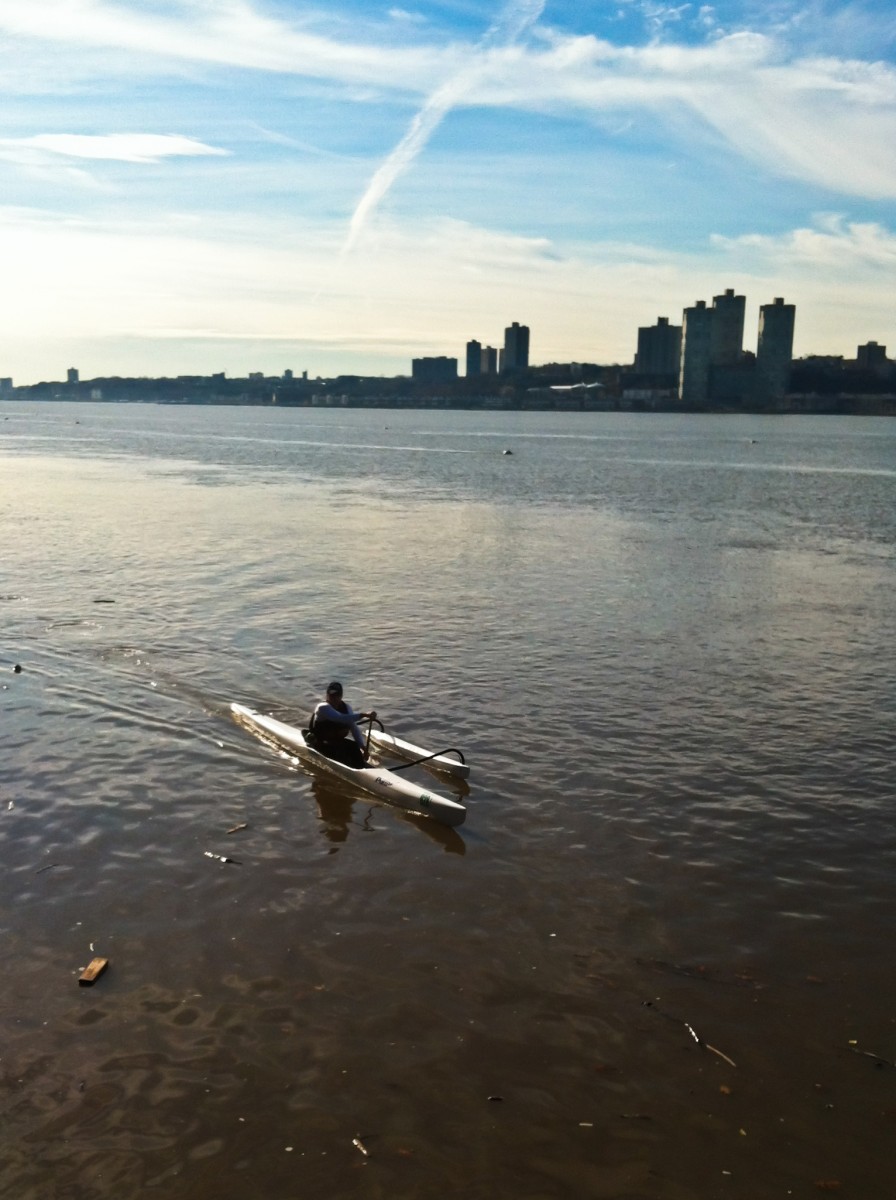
[727, 337]
[434, 370]
[774, 350]
[659, 348]
[516, 348]
[871, 356]
[696, 351]
[481, 360]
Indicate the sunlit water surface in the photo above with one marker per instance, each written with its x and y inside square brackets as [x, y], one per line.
[655, 963]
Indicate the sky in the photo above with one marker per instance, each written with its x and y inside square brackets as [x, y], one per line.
[194, 186]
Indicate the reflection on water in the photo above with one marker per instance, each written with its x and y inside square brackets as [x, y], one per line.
[661, 645]
[334, 808]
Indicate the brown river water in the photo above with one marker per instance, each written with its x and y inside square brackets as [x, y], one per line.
[655, 963]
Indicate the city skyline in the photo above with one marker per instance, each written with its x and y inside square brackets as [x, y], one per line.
[239, 186]
[660, 350]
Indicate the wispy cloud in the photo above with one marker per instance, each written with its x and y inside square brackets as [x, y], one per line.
[827, 120]
[832, 243]
[511, 25]
[405, 16]
[120, 147]
[226, 32]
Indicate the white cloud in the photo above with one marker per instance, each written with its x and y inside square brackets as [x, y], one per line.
[833, 244]
[227, 32]
[403, 16]
[659, 16]
[236, 283]
[823, 121]
[827, 121]
[120, 147]
[513, 22]
[839, 273]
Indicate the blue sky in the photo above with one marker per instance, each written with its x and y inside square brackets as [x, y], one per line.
[192, 186]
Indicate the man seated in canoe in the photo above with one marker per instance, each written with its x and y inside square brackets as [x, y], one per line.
[331, 723]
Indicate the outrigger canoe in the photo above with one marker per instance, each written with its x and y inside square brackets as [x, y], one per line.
[378, 781]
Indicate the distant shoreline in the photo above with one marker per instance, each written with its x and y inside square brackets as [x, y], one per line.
[792, 405]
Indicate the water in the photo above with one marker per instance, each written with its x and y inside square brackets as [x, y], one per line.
[665, 644]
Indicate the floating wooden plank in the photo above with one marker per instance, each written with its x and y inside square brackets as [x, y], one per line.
[92, 972]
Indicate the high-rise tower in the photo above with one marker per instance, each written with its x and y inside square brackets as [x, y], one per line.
[659, 348]
[774, 350]
[727, 329]
[696, 341]
[516, 347]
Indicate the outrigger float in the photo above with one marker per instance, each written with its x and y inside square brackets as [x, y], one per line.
[379, 781]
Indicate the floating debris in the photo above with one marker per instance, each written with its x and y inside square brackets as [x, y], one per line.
[17, 669]
[879, 1060]
[92, 972]
[222, 858]
[713, 1050]
[360, 1146]
[237, 828]
[699, 1040]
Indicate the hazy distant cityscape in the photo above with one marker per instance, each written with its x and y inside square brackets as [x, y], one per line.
[698, 366]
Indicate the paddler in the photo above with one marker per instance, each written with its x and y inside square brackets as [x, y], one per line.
[331, 723]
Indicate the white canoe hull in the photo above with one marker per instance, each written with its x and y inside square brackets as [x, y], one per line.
[410, 752]
[379, 782]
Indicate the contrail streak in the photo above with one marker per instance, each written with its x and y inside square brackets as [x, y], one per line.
[512, 24]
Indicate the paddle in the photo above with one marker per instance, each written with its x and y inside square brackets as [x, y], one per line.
[370, 721]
